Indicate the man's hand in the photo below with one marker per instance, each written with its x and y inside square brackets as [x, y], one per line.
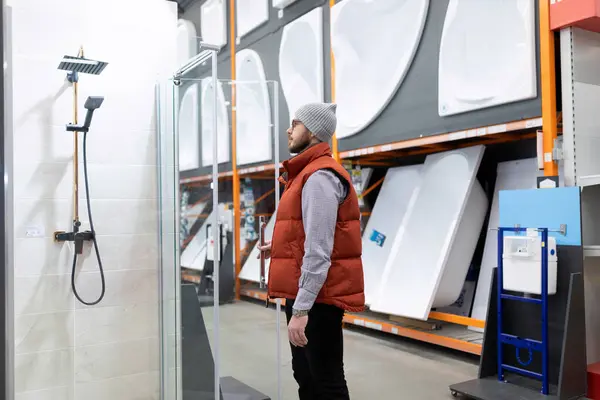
[296, 329]
[266, 249]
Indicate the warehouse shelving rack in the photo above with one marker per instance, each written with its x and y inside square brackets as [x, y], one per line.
[443, 329]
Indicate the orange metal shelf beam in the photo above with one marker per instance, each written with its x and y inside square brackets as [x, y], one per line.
[438, 316]
[371, 188]
[264, 196]
[241, 172]
[204, 179]
[457, 319]
[191, 278]
[522, 125]
[452, 343]
[358, 320]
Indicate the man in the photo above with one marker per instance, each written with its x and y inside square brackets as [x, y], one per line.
[316, 254]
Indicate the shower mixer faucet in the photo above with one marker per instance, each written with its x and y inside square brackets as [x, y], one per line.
[74, 66]
[77, 237]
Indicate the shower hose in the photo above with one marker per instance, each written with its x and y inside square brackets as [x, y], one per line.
[89, 210]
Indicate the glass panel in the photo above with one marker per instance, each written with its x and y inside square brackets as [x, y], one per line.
[169, 237]
[187, 364]
[198, 215]
[206, 234]
[214, 338]
[246, 327]
[209, 352]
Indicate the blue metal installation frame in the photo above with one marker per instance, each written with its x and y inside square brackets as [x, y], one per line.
[523, 343]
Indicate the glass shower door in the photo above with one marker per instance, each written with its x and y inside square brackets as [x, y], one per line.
[210, 338]
[187, 243]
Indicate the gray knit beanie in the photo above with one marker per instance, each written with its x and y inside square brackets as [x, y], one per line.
[319, 118]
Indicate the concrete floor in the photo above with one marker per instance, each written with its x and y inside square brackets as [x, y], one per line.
[377, 366]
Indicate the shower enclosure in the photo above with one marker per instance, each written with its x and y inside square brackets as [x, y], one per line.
[206, 127]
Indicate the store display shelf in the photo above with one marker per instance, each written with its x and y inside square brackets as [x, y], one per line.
[480, 135]
[204, 178]
[257, 171]
[453, 334]
[484, 135]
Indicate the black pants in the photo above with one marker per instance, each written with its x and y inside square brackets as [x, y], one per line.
[319, 366]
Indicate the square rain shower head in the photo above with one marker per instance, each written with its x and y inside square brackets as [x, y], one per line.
[82, 65]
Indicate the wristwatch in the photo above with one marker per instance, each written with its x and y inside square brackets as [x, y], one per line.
[299, 313]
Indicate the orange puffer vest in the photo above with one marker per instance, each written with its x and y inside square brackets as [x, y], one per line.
[344, 286]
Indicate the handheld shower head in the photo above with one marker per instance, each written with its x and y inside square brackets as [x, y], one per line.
[91, 104]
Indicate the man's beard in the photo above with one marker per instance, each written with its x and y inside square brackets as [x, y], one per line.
[300, 147]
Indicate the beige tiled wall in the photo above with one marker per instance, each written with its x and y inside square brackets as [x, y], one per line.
[65, 350]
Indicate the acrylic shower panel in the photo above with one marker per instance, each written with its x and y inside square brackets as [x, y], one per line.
[253, 109]
[189, 131]
[250, 14]
[398, 191]
[427, 266]
[251, 269]
[301, 60]
[223, 131]
[374, 43]
[187, 41]
[487, 55]
[213, 22]
[511, 175]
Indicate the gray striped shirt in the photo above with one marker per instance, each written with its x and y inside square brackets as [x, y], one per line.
[322, 194]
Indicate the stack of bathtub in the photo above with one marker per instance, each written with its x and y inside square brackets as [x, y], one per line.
[422, 234]
[420, 239]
